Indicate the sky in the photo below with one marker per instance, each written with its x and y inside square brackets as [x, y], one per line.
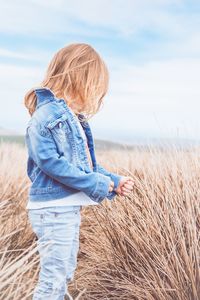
[151, 48]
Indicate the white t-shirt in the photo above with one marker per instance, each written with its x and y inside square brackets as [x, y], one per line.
[79, 198]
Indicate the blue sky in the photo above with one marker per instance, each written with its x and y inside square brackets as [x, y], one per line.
[152, 49]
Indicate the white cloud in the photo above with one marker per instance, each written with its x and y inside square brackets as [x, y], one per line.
[25, 56]
[157, 98]
[126, 17]
[15, 81]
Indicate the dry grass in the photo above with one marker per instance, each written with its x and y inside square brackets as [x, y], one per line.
[145, 246]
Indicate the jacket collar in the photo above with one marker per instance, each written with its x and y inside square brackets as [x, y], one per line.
[44, 95]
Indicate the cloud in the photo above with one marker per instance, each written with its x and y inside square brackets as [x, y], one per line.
[151, 49]
[159, 98]
[18, 55]
[155, 98]
[15, 82]
[137, 30]
[124, 17]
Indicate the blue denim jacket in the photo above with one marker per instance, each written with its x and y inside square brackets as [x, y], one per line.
[57, 163]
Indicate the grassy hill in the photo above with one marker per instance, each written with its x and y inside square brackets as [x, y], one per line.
[19, 139]
[100, 144]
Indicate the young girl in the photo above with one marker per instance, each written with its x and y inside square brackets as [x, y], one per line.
[62, 164]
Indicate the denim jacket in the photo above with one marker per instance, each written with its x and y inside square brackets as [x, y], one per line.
[57, 163]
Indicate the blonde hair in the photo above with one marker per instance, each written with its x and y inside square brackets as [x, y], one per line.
[79, 76]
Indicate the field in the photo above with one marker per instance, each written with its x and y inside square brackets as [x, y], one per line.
[145, 246]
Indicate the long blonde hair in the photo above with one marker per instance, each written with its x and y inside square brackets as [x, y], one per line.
[78, 75]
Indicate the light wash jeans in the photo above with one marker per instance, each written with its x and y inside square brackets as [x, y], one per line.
[57, 231]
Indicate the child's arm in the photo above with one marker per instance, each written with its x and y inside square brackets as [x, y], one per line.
[44, 152]
[114, 177]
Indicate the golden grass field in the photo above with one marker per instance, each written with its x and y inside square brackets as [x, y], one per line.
[145, 246]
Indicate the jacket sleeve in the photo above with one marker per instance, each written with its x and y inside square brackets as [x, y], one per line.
[44, 152]
[114, 177]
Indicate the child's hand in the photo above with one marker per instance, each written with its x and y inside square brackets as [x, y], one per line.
[111, 186]
[125, 186]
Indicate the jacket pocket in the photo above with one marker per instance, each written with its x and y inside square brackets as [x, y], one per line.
[62, 133]
[59, 129]
[59, 124]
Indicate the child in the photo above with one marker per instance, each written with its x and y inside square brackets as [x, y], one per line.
[62, 164]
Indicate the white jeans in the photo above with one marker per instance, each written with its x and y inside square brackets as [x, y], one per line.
[57, 231]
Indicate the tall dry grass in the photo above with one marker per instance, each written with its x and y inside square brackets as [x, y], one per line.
[145, 246]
